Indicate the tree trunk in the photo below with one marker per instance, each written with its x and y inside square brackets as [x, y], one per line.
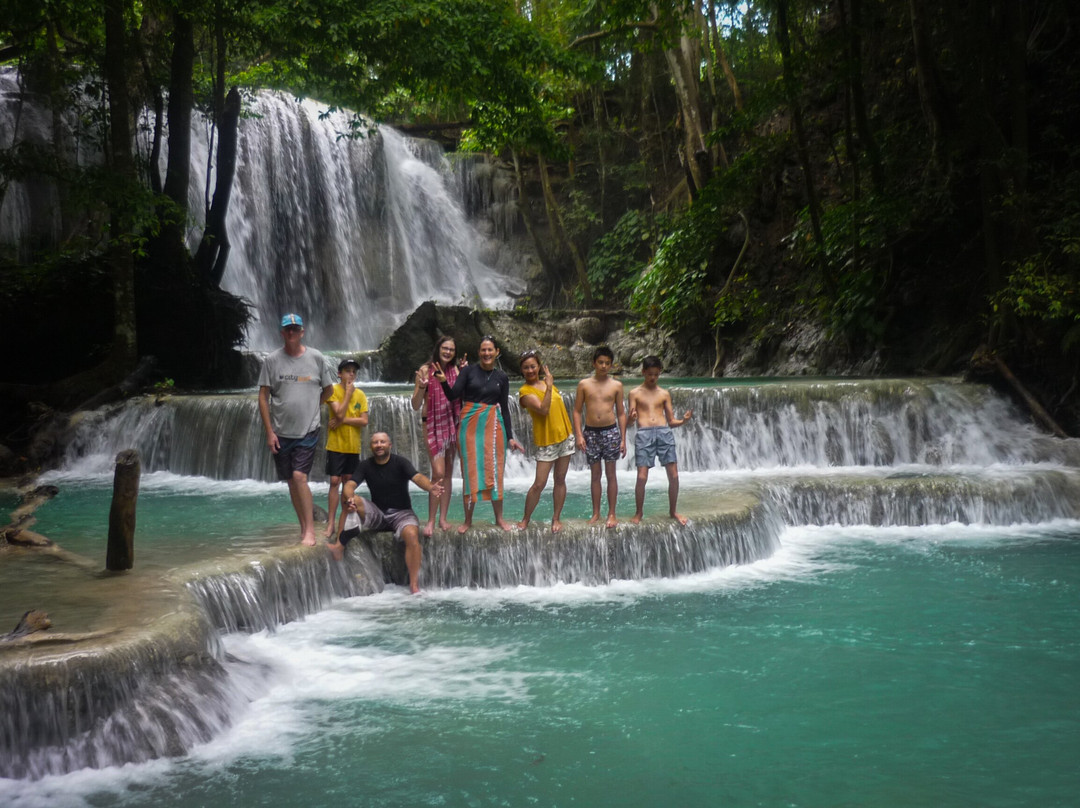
[542, 252]
[181, 100]
[120, 552]
[683, 65]
[801, 146]
[858, 98]
[213, 252]
[124, 349]
[931, 91]
[559, 231]
[725, 64]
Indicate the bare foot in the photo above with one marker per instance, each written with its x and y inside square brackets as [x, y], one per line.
[556, 526]
[414, 590]
[429, 528]
[678, 517]
[636, 518]
[523, 524]
[329, 530]
[444, 525]
[595, 519]
[504, 524]
[611, 521]
[308, 540]
[337, 550]
[464, 528]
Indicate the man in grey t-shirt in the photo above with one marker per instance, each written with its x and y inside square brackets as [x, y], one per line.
[294, 382]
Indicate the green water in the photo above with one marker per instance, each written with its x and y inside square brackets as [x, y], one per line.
[859, 667]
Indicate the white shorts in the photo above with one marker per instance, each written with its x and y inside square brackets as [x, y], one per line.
[553, 451]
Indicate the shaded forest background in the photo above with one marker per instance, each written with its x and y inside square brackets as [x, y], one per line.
[902, 177]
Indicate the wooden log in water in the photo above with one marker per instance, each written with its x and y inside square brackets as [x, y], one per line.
[31, 621]
[120, 554]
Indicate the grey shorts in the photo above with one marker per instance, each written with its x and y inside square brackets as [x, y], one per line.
[295, 454]
[395, 519]
[553, 451]
[652, 442]
[602, 443]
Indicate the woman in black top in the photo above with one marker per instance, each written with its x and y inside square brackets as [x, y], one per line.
[485, 430]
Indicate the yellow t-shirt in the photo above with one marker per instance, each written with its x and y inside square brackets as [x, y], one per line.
[555, 426]
[346, 438]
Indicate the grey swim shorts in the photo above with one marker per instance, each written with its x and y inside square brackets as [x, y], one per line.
[652, 442]
[395, 519]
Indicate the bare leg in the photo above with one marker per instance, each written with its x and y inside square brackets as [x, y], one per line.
[594, 489]
[437, 468]
[558, 494]
[413, 553]
[672, 470]
[331, 505]
[300, 494]
[639, 494]
[497, 507]
[448, 486]
[612, 493]
[543, 468]
[469, 507]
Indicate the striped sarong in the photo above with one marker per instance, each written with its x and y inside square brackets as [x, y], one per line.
[482, 444]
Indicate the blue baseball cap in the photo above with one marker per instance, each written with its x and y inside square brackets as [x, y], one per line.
[292, 319]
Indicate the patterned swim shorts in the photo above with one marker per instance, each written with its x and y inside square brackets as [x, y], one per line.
[602, 443]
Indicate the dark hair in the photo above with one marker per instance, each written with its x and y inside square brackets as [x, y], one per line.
[435, 360]
[603, 350]
[651, 362]
[532, 353]
[488, 338]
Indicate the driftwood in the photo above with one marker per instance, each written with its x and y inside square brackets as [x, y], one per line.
[22, 518]
[31, 621]
[986, 359]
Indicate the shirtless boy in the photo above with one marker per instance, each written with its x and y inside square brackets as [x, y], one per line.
[603, 437]
[650, 406]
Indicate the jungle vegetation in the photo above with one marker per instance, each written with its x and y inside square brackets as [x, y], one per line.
[902, 173]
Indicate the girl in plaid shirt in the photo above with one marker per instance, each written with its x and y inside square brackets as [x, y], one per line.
[441, 418]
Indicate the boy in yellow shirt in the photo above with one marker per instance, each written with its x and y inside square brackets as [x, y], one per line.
[348, 415]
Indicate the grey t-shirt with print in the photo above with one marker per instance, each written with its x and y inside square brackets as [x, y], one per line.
[295, 383]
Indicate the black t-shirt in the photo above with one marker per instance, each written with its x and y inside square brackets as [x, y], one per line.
[388, 482]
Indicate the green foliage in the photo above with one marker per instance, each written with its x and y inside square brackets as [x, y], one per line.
[1042, 285]
[856, 251]
[618, 258]
[742, 302]
[681, 288]
[1034, 290]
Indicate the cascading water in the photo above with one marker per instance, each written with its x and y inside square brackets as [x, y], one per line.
[351, 233]
[735, 428]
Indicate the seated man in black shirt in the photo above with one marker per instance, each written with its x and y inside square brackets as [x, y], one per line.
[390, 508]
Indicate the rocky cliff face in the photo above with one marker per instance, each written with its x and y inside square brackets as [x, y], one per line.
[566, 340]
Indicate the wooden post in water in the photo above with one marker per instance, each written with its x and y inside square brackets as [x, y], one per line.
[120, 554]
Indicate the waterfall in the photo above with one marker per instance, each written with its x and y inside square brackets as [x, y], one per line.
[490, 558]
[137, 698]
[260, 597]
[881, 423]
[352, 233]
